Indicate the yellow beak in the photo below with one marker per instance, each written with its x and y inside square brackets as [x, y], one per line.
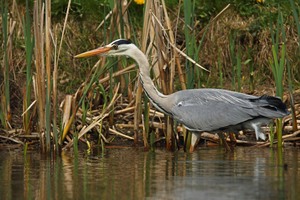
[94, 52]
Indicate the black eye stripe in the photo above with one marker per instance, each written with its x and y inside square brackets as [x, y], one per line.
[121, 41]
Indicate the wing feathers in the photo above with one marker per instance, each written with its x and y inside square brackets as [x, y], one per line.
[213, 109]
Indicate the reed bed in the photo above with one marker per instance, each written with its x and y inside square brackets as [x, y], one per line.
[52, 101]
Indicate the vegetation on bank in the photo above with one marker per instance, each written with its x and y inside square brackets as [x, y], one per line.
[52, 100]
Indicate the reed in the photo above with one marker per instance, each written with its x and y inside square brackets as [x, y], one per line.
[48, 58]
[233, 59]
[272, 134]
[251, 67]
[220, 69]
[105, 102]
[292, 101]
[146, 124]
[190, 41]
[5, 100]
[297, 23]
[277, 66]
[43, 64]
[39, 79]
[296, 17]
[239, 69]
[29, 43]
[75, 143]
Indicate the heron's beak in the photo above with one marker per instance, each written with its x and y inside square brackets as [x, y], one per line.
[98, 51]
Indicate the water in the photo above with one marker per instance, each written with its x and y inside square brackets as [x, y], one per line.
[131, 173]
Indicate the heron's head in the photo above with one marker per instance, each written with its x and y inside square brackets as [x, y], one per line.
[116, 48]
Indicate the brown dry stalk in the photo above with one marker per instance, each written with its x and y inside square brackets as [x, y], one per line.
[138, 97]
[39, 63]
[145, 137]
[105, 19]
[12, 139]
[118, 73]
[158, 125]
[288, 137]
[120, 134]
[178, 50]
[172, 39]
[48, 70]
[97, 120]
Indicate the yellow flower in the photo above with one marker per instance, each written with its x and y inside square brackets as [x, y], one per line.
[140, 2]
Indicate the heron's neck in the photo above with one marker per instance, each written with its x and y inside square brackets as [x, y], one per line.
[158, 99]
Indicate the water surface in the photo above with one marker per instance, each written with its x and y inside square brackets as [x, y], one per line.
[131, 173]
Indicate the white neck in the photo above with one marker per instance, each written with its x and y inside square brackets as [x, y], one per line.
[158, 99]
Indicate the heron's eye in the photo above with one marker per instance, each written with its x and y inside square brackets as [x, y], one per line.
[115, 47]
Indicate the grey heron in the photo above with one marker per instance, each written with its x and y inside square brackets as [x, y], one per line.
[199, 110]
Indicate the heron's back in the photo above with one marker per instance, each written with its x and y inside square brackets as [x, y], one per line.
[214, 109]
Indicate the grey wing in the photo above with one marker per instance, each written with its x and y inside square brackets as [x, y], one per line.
[212, 112]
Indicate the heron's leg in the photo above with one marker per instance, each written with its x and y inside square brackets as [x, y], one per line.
[232, 138]
[258, 131]
[194, 141]
[176, 135]
[232, 142]
[224, 142]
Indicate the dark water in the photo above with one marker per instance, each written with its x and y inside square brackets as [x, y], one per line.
[129, 173]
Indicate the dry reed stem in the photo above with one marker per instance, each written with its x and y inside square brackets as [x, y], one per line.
[78, 94]
[105, 19]
[67, 110]
[118, 73]
[39, 63]
[158, 125]
[178, 50]
[145, 136]
[28, 108]
[120, 134]
[157, 46]
[171, 63]
[138, 97]
[98, 119]
[48, 71]
[291, 128]
[12, 139]
[289, 137]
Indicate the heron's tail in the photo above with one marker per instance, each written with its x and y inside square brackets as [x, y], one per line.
[272, 107]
